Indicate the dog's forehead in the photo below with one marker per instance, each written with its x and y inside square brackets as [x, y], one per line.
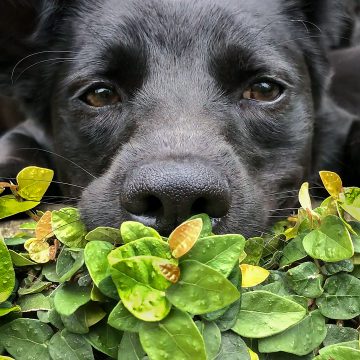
[172, 21]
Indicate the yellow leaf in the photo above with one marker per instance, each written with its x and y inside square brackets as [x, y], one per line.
[39, 251]
[183, 238]
[253, 355]
[332, 183]
[33, 182]
[253, 275]
[304, 197]
[170, 272]
[43, 228]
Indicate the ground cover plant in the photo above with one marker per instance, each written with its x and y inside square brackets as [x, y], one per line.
[129, 293]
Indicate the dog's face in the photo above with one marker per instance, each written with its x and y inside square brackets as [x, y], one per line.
[183, 107]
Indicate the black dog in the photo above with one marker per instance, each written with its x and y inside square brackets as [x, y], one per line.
[170, 108]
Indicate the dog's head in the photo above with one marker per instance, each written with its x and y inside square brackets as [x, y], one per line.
[176, 107]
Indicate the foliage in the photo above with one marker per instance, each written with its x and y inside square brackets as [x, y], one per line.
[129, 293]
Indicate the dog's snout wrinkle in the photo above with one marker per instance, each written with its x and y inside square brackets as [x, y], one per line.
[166, 194]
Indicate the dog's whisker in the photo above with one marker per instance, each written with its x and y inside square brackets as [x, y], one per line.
[34, 54]
[37, 63]
[62, 157]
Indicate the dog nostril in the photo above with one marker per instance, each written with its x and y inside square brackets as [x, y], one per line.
[153, 206]
[214, 207]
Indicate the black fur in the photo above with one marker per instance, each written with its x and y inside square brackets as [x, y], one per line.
[181, 67]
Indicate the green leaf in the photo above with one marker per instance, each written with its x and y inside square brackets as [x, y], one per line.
[201, 289]
[105, 339]
[212, 337]
[69, 297]
[84, 317]
[338, 334]
[305, 280]
[350, 202]
[10, 206]
[7, 273]
[207, 226]
[337, 267]
[68, 263]
[141, 286]
[355, 237]
[65, 345]
[7, 308]
[34, 287]
[104, 233]
[264, 314]
[121, 318]
[338, 353]
[96, 261]
[331, 242]
[222, 252]
[26, 339]
[293, 251]
[341, 297]
[31, 225]
[167, 338]
[18, 239]
[33, 182]
[130, 347]
[20, 260]
[254, 248]
[132, 230]
[68, 227]
[142, 247]
[49, 271]
[34, 302]
[232, 347]
[299, 339]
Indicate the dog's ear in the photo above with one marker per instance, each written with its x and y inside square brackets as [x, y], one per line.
[329, 21]
[26, 30]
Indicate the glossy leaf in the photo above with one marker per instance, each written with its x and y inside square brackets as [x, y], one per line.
[332, 183]
[254, 248]
[9, 206]
[39, 251]
[65, 345]
[331, 242]
[69, 297]
[19, 259]
[68, 263]
[293, 251]
[68, 227]
[103, 233]
[130, 347]
[121, 318]
[105, 339]
[141, 286]
[142, 247]
[33, 182]
[212, 338]
[338, 334]
[201, 289]
[304, 196]
[341, 297]
[232, 347]
[264, 314]
[43, 228]
[96, 261]
[253, 275]
[34, 302]
[299, 339]
[305, 280]
[132, 230]
[350, 202]
[338, 353]
[26, 339]
[7, 273]
[183, 238]
[167, 338]
[220, 252]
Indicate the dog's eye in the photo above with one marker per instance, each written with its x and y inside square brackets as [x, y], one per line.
[101, 96]
[263, 91]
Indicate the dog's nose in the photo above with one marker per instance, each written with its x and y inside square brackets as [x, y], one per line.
[165, 194]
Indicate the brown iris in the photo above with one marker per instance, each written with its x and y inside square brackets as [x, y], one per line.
[263, 91]
[101, 96]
